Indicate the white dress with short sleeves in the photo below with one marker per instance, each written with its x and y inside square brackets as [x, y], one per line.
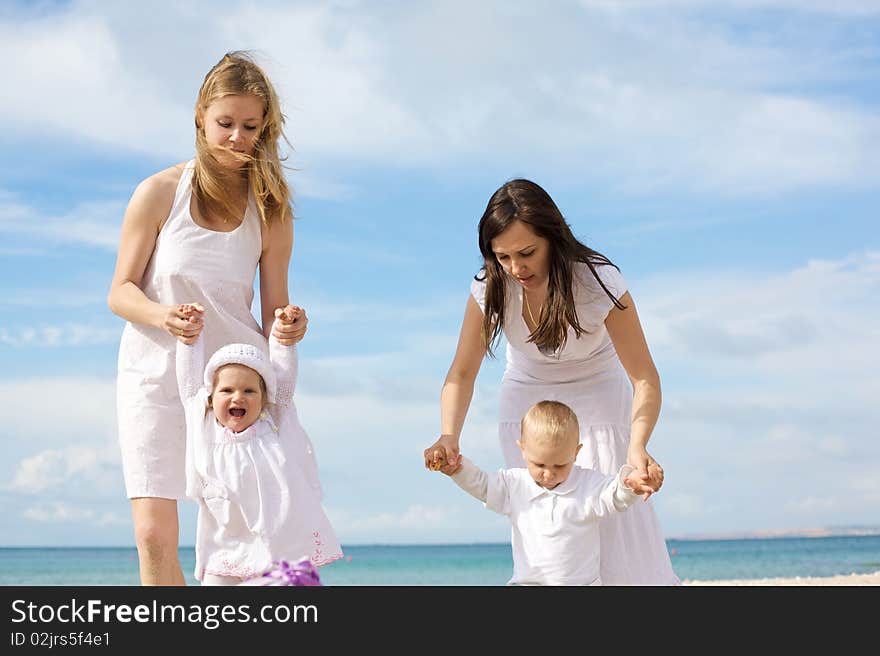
[586, 374]
[190, 264]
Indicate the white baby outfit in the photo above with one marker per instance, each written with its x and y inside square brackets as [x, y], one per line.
[585, 374]
[555, 533]
[258, 490]
[190, 264]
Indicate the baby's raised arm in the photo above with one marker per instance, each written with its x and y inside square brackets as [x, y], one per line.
[285, 359]
[190, 359]
[190, 369]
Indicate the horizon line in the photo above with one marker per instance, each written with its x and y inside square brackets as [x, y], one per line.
[756, 535]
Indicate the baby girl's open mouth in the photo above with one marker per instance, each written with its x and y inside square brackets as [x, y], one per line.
[237, 412]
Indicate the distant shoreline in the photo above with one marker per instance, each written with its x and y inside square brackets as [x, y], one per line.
[692, 537]
[773, 534]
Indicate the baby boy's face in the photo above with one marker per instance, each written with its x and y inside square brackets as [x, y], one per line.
[237, 399]
[549, 464]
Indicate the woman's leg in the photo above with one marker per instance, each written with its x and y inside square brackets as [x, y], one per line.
[155, 533]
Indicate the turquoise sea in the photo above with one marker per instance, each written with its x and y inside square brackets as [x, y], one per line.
[474, 564]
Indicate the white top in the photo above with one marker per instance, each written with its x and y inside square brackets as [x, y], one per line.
[594, 346]
[258, 490]
[189, 264]
[555, 532]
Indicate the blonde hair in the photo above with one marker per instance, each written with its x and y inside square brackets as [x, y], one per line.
[237, 74]
[550, 422]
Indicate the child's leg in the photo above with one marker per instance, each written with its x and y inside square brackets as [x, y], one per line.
[214, 579]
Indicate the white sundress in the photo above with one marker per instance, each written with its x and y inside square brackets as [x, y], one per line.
[258, 490]
[586, 374]
[190, 264]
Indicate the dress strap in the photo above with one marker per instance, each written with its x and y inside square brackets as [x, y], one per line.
[182, 196]
[184, 185]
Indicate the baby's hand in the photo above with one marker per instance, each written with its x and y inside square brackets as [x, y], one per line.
[288, 314]
[290, 325]
[443, 455]
[638, 486]
[191, 311]
[438, 461]
[184, 321]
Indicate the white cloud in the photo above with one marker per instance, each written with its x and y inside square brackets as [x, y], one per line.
[59, 336]
[817, 317]
[810, 505]
[413, 518]
[769, 392]
[64, 512]
[43, 297]
[93, 223]
[462, 520]
[364, 86]
[688, 507]
[73, 469]
[25, 252]
[335, 310]
[844, 7]
[57, 512]
[383, 427]
[77, 83]
[311, 186]
[773, 142]
[60, 411]
[335, 75]
[111, 519]
[592, 97]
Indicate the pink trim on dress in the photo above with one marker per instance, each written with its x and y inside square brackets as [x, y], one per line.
[228, 568]
[318, 558]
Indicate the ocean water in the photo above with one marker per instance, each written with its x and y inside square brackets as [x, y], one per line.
[476, 564]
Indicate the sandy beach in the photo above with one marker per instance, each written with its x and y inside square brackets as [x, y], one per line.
[850, 579]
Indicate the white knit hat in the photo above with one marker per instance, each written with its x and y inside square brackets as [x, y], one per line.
[249, 356]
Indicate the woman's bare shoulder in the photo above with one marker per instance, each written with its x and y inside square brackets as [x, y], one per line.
[162, 184]
[154, 196]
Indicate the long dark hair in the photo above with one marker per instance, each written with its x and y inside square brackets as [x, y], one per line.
[523, 200]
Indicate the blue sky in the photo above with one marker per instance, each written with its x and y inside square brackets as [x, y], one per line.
[723, 154]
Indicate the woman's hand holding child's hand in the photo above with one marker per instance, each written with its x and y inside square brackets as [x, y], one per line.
[436, 461]
[443, 455]
[648, 473]
[184, 322]
[290, 325]
[636, 484]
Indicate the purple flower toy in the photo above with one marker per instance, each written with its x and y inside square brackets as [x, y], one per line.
[302, 572]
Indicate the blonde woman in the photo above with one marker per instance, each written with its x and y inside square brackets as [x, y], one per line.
[195, 234]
